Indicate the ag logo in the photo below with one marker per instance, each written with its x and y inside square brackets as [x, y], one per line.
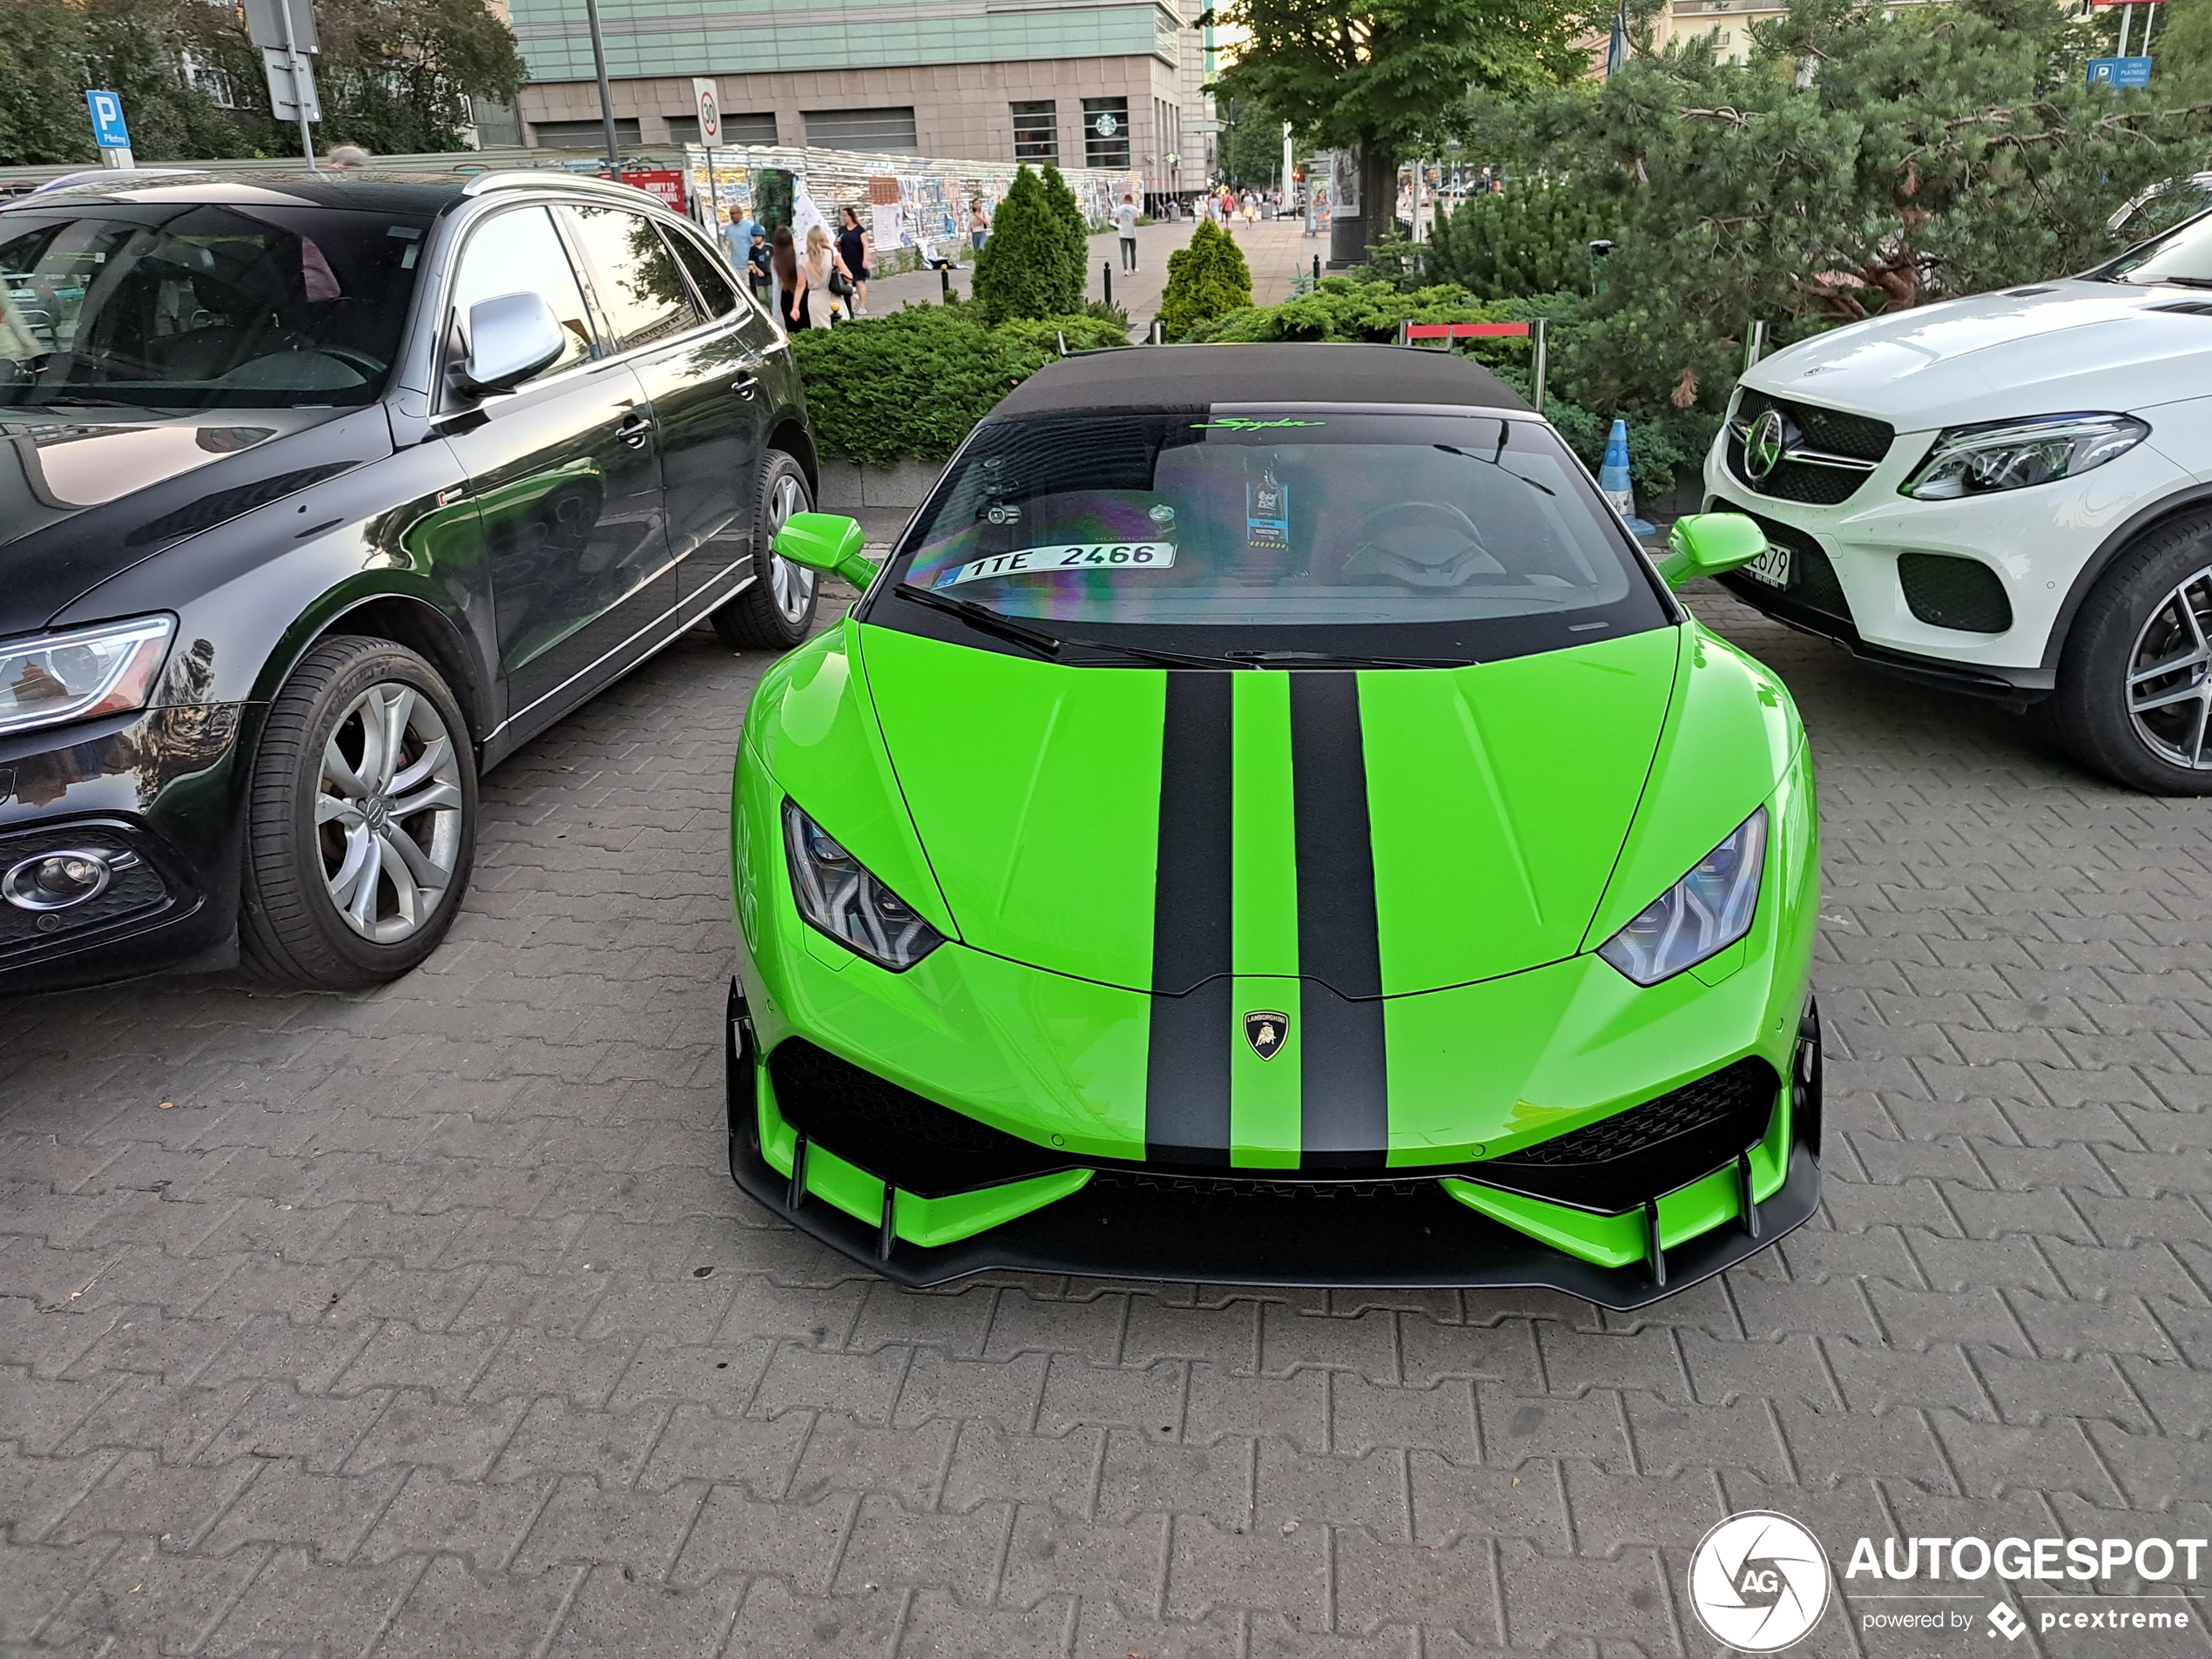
[1266, 1032]
[1763, 445]
[1758, 1582]
[2003, 1622]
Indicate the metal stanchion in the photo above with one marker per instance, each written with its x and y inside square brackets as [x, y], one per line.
[1540, 359]
[1754, 346]
[1110, 281]
[945, 284]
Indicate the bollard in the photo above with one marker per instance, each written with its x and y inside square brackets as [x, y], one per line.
[1754, 346]
[1540, 358]
[1316, 270]
[1158, 335]
[945, 284]
[1613, 480]
[1109, 268]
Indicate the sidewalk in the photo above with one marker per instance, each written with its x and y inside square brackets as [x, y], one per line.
[1276, 249]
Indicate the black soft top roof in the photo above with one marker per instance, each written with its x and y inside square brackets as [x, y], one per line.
[1203, 376]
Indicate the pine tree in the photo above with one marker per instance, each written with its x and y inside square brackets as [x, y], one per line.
[1023, 270]
[1206, 281]
[1076, 240]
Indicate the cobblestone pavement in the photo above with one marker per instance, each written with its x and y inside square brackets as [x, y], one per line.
[427, 1320]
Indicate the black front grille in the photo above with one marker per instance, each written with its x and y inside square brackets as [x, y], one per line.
[894, 1133]
[1812, 577]
[135, 892]
[1618, 1162]
[1947, 592]
[1857, 436]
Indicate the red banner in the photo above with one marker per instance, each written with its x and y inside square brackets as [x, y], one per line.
[667, 184]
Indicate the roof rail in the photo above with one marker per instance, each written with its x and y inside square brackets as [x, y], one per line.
[524, 178]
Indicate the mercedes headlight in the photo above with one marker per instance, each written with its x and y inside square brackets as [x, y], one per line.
[1701, 915]
[2011, 454]
[49, 678]
[837, 895]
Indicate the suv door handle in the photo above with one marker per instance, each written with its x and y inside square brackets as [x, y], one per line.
[745, 384]
[634, 429]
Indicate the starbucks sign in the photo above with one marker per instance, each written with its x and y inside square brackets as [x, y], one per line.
[1106, 125]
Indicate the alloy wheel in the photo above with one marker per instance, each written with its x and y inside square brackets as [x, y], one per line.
[791, 584]
[388, 813]
[2170, 675]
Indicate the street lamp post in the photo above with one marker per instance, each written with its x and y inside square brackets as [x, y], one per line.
[606, 98]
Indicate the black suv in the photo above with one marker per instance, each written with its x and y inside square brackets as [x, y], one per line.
[326, 493]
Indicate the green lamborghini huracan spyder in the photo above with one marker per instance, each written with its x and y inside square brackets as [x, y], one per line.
[1269, 823]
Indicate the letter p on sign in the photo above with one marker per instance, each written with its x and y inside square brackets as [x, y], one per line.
[710, 111]
[108, 131]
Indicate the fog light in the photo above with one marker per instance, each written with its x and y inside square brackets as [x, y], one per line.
[56, 880]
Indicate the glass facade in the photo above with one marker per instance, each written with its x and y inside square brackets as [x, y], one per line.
[1105, 133]
[1036, 130]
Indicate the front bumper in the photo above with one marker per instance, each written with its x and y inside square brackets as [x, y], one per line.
[1400, 1230]
[1873, 572]
[155, 793]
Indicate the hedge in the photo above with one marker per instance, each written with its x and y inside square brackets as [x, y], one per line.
[911, 384]
[1206, 280]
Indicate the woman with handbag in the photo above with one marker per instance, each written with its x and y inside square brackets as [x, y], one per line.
[852, 255]
[791, 282]
[822, 278]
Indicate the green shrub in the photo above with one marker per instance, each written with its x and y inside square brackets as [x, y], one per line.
[1349, 308]
[1082, 333]
[1105, 311]
[1024, 269]
[909, 385]
[1075, 233]
[1535, 238]
[1208, 279]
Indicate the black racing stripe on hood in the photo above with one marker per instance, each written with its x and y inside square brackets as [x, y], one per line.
[1345, 1113]
[1186, 1078]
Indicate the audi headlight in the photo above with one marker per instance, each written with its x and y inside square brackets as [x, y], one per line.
[2011, 454]
[109, 670]
[1701, 914]
[837, 895]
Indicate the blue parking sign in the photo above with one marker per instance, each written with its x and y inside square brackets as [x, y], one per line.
[108, 131]
[2120, 71]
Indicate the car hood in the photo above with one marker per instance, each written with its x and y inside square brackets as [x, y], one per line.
[84, 495]
[1384, 832]
[2044, 349]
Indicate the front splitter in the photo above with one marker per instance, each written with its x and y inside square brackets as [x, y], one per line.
[1422, 1240]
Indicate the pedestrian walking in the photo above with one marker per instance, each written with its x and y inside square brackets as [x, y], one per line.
[978, 228]
[853, 249]
[791, 282]
[758, 274]
[821, 270]
[737, 234]
[1125, 220]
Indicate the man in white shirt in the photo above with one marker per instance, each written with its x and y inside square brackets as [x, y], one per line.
[1125, 218]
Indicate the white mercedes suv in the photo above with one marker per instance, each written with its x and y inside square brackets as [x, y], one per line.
[2010, 494]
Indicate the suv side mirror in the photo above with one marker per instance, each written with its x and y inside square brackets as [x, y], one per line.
[510, 338]
[826, 542]
[1708, 543]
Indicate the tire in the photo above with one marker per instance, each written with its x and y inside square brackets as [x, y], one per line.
[776, 611]
[305, 918]
[2152, 610]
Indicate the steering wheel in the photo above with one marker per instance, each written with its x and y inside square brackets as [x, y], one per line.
[1436, 564]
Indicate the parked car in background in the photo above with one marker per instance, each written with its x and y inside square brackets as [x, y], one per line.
[321, 496]
[1264, 775]
[2009, 495]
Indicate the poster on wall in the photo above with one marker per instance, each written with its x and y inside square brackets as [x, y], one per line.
[805, 215]
[890, 226]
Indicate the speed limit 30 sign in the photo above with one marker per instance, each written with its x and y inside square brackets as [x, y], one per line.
[710, 111]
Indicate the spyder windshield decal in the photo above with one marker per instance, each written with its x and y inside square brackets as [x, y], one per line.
[1242, 424]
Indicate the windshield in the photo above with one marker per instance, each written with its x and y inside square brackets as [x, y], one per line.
[1466, 536]
[196, 306]
[2183, 255]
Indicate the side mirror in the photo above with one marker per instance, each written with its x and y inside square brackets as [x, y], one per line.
[1708, 543]
[829, 543]
[510, 338]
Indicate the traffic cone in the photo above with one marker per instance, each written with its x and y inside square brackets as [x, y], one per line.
[1613, 479]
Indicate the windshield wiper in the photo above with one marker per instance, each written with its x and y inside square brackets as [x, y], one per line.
[1342, 659]
[1492, 461]
[984, 619]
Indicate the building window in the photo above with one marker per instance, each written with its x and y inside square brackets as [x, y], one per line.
[736, 129]
[1036, 131]
[878, 130]
[582, 135]
[1105, 133]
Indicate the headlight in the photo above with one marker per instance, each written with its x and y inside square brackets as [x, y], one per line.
[2011, 454]
[838, 895]
[1705, 913]
[52, 677]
